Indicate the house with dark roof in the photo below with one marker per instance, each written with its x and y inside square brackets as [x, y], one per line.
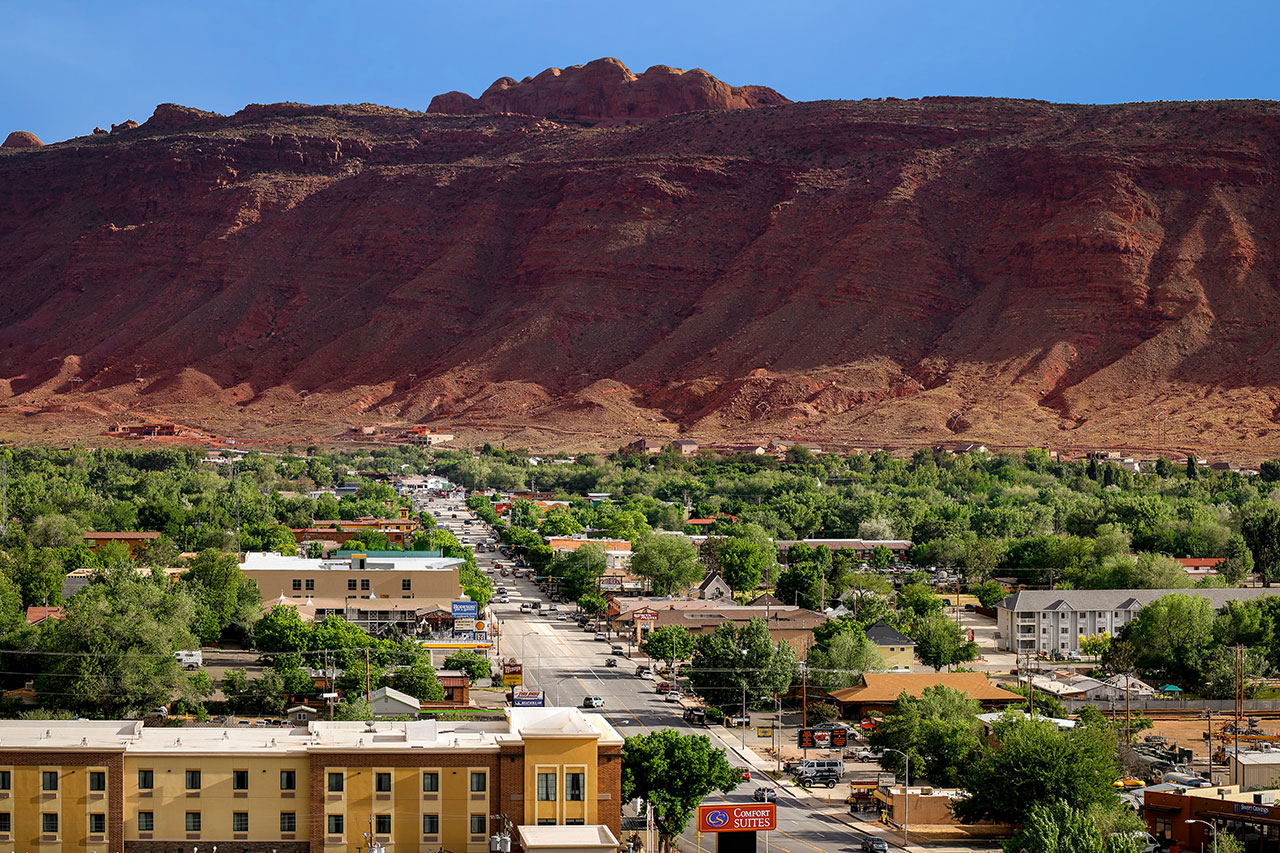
[896, 649]
[1056, 620]
[714, 587]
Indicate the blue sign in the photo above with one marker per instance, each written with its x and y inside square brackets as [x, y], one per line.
[1252, 809]
[717, 818]
[465, 610]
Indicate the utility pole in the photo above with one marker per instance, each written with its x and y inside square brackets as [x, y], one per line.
[368, 694]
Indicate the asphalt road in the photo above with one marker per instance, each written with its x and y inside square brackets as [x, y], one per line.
[568, 664]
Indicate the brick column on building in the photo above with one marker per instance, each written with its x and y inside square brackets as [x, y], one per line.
[609, 784]
[511, 786]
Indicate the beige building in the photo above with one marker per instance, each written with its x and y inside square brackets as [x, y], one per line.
[422, 579]
[117, 786]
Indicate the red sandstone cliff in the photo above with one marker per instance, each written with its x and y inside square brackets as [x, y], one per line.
[995, 270]
[605, 91]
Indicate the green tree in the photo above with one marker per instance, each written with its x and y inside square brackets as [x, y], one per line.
[592, 603]
[744, 563]
[939, 731]
[841, 661]
[941, 642]
[474, 665]
[669, 563]
[731, 659]
[1059, 828]
[1169, 635]
[419, 681]
[881, 556]
[113, 652]
[222, 592]
[669, 642]
[672, 774]
[281, 629]
[1239, 563]
[1095, 645]
[920, 600]
[578, 572]
[559, 522]
[1035, 763]
[801, 584]
[630, 525]
[989, 593]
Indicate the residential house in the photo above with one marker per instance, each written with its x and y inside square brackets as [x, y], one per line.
[335, 532]
[649, 446]
[1058, 619]
[134, 541]
[1201, 567]
[38, 613]
[456, 684]
[877, 691]
[685, 447]
[389, 702]
[896, 649]
[714, 588]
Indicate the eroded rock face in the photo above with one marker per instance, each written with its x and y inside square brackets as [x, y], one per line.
[21, 139]
[175, 116]
[896, 272]
[606, 91]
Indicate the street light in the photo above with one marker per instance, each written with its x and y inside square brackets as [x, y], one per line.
[1213, 828]
[906, 793]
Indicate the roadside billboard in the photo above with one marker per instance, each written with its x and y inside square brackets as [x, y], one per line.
[823, 738]
[732, 817]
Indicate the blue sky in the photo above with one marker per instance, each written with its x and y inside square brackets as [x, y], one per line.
[70, 65]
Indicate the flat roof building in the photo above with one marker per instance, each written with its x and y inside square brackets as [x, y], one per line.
[117, 786]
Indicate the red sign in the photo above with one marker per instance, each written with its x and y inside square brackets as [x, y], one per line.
[645, 617]
[729, 817]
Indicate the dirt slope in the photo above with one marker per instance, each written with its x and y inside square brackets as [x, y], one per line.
[877, 271]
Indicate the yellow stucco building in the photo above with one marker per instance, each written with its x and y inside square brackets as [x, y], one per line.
[120, 787]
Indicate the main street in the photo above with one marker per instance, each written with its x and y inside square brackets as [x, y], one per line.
[567, 663]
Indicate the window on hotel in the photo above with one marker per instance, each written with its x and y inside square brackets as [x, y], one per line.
[351, 584]
[97, 780]
[477, 824]
[239, 780]
[239, 821]
[288, 822]
[6, 823]
[193, 780]
[547, 787]
[430, 782]
[6, 780]
[382, 783]
[335, 824]
[406, 584]
[49, 780]
[575, 787]
[311, 584]
[297, 584]
[335, 783]
[382, 824]
[146, 780]
[288, 780]
[146, 821]
[193, 821]
[430, 824]
[546, 821]
[97, 824]
[364, 584]
[49, 823]
[477, 782]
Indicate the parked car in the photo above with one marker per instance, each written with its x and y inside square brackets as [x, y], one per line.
[602, 637]
[593, 702]
[673, 696]
[874, 845]
[764, 795]
[619, 651]
[664, 687]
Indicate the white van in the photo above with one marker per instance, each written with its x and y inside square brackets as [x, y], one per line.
[190, 659]
[821, 767]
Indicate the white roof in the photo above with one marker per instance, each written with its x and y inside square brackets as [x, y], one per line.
[579, 837]
[318, 735]
[268, 561]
